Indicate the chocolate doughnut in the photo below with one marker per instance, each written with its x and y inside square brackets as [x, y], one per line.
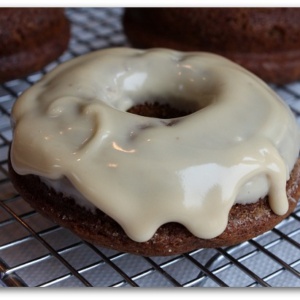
[30, 38]
[263, 40]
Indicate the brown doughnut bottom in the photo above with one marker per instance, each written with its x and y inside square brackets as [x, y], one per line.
[245, 221]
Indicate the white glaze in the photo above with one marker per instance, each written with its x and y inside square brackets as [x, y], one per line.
[240, 144]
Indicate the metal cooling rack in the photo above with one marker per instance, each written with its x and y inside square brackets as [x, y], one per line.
[34, 252]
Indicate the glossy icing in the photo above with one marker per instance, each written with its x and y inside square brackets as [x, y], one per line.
[240, 144]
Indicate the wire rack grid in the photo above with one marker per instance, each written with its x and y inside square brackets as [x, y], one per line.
[34, 252]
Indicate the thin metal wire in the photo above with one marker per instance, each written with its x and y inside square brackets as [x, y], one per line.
[45, 244]
[243, 268]
[258, 262]
[205, 271]
[284, 265]
[159, 269]
[112, 265]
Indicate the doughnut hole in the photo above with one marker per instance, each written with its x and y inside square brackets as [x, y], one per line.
[158, 110]
[181, 99]
[162, 109]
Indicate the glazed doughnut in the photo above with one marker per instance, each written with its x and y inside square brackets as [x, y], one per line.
[75, 139]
